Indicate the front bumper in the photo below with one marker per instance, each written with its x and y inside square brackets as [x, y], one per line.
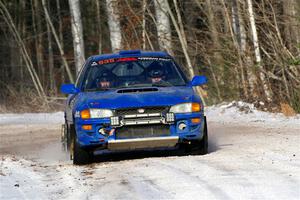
[109, 140]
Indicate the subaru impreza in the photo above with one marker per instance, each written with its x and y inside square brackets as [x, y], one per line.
[133, 100]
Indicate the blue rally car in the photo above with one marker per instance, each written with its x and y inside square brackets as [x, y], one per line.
[133, 100]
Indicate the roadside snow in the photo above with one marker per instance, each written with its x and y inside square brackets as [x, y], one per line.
[245, 113]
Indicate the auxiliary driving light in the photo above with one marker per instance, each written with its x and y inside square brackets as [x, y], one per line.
[170, 117]
[115, 121]
[182, 126]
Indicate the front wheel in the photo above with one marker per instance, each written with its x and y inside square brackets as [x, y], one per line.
[199, 147]
[80, 156]
[203, 144]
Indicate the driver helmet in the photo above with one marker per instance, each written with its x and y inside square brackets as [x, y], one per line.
[104, 80]
[156, 71]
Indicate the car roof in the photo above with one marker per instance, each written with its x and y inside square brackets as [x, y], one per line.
[130, 53]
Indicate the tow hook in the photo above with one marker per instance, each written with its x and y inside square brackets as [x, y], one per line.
[105, 131]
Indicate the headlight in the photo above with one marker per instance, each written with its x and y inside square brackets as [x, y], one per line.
[186, 108]
[96, 113]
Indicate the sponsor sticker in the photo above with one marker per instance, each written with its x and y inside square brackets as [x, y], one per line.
[77, 114]
[107, 61]
[113, 60]
[153, 58]
[94, 63]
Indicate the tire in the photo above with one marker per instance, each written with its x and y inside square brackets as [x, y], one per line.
[203, 144]
[199, 147]
[80, 156]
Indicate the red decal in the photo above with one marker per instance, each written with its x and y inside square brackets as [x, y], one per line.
[101, 62]
[126, 59]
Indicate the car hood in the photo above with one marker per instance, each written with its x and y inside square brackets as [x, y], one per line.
[164, 96]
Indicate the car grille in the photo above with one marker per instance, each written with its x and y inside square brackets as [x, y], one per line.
[134, 111]
[142, 131]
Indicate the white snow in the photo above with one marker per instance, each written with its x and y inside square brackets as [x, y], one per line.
[253, 155]
[239, 112]
[32, 118]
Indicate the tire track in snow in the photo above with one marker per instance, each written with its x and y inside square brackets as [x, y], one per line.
[125, 181]
[195, 181]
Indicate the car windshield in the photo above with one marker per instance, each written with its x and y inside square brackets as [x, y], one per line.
[132, 72]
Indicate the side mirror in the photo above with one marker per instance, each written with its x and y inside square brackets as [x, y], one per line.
[198, 80]
[69, 89]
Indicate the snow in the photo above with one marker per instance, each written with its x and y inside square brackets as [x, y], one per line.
[239, 112]
[252, 155]
[32, 118]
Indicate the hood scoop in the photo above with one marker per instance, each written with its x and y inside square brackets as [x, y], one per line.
[135, 90]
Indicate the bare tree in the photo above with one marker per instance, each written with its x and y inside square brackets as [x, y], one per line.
[183, 41]
[78, 41]
[114, 25]
[262, 76]
[58, 42]
[25, 55]
[242, 37]
[217, 56]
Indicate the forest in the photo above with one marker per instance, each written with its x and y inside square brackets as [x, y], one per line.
[248, 49]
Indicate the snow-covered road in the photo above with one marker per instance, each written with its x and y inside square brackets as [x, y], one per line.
[248, 159]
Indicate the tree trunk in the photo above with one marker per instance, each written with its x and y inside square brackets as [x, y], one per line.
[39, 40]
[242, 35]
[50, 61]
[292, 24]
[38, 54]
[262, 76]
[78, 41]
[98, 18]
[62, 53]
[61, 38]
[181, 37]
[163, 25]
[114, 25]
[241, 80]
[144, 32]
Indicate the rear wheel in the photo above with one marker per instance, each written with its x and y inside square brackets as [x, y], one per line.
[64, 131]
[80, 156]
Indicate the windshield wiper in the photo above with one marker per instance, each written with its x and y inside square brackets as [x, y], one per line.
[97, 89]
[134, 86]
[162, 84]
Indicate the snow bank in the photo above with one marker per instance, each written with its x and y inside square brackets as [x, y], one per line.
[32, 118]
[241, 112]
